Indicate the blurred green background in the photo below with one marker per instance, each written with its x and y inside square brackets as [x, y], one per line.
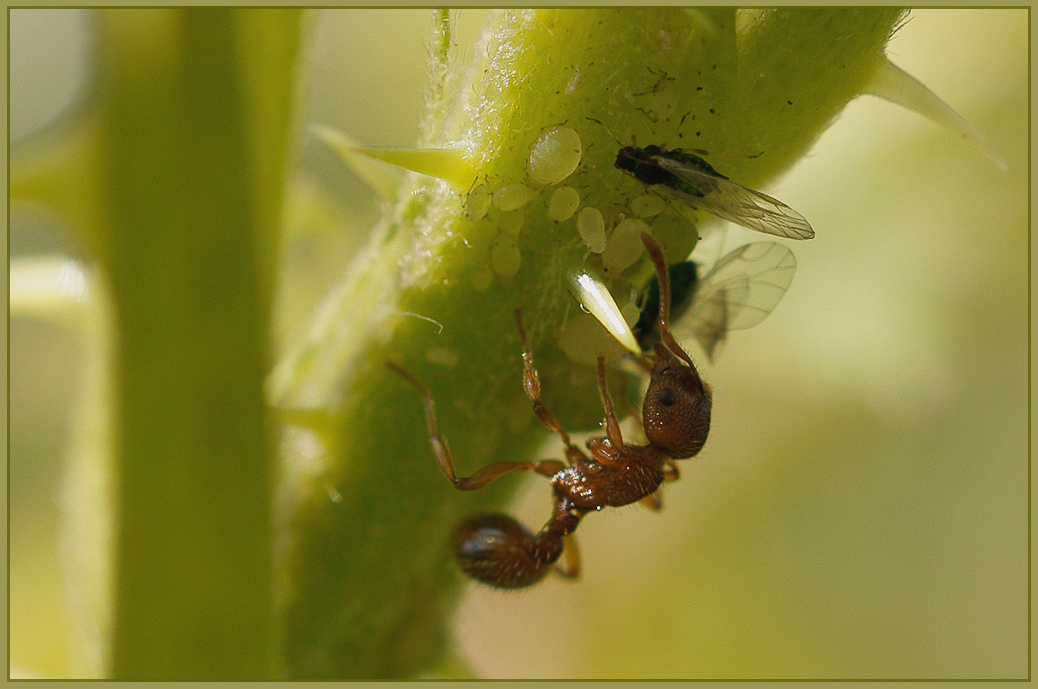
[861, 507]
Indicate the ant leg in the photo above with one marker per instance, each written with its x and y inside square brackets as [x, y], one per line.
[607, 450]
[625, 401]
[654, 500]
[571, 556]
[484, 476]
[532, 386]
[443, 454]
[663, 277]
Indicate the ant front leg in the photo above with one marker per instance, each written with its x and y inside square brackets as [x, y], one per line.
[607, 450]
[532, 386]
[443, 454]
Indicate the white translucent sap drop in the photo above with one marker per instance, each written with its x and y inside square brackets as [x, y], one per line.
[625, 245]
[554, 156]
[563, 204]
[477, 204]
[597, 300]
[592, 229]
[513, 196]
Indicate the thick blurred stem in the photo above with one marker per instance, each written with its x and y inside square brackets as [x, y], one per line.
[188, 257]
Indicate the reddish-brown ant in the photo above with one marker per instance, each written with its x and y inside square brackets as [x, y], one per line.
[496, 549]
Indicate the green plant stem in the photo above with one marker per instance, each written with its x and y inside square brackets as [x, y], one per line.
[189, 258]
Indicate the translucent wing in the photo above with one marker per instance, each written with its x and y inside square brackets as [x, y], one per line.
[710, 191]
[738, 292]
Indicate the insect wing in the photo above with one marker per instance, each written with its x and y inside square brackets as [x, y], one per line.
[733, 202]
[738, 292]
[708, 320]
[760, 274]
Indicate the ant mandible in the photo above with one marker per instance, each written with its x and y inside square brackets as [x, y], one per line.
[496, 549]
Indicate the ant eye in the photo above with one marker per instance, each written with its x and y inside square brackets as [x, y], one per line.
[676, 413]
[667, 397]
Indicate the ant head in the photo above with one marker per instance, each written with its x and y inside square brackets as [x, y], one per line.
[676, 411]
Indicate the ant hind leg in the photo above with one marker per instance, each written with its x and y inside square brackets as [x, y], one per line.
[654, 500]
[443, 453]
[569, 564]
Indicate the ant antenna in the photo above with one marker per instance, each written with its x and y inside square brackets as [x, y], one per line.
[653, 247]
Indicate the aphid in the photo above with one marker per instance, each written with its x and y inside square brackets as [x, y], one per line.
[477, 203]
[496, 549]
[737, 293]
[554, 156]
[622, 247]
[513, 197]
[591, 226]
[684, 177]
[563, 203]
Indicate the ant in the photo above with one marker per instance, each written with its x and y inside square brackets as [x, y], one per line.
[496, 549]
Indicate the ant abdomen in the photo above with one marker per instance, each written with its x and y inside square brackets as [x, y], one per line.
[501, 552]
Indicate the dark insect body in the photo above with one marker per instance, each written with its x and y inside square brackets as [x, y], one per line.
[688, 179]
[741, 289]
[684, 279]
[496, 549]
